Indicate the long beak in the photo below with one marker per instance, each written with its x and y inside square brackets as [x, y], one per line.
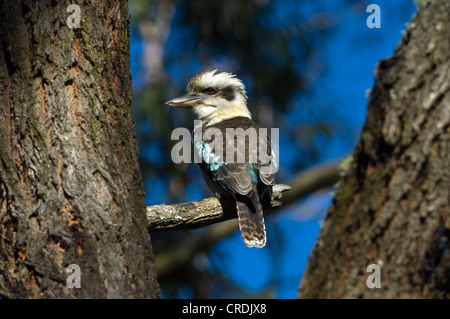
[188, 100]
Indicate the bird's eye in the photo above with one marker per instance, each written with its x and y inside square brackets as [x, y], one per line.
[209, 91]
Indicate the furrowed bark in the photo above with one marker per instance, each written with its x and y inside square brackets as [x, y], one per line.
[71, 190]
[392, 208]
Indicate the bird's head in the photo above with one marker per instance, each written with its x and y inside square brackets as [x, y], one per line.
[214, 97]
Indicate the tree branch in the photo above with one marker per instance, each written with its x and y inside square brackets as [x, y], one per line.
[314, 178]
[209, 211]
[178, 216]
[198, 213]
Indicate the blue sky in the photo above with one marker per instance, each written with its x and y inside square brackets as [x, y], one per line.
[349, 57]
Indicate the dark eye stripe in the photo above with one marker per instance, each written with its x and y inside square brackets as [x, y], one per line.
[228, 93]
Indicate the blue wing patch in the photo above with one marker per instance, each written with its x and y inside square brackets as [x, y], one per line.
[205, 151]
[253, 173]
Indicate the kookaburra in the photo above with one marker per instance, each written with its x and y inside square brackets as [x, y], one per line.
[219, 100]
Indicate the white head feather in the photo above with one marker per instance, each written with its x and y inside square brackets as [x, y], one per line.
[229, 101]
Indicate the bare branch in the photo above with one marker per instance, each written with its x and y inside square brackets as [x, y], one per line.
[198, 213]
[306, 182]
[313, 179]
[209, 211]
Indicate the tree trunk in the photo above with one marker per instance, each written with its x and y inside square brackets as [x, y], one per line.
[392, 208]
[71, 190]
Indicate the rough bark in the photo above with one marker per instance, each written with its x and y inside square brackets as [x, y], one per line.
[392, 208]
[71, 190]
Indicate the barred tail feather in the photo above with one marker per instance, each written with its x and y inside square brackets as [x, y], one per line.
[251, 225]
